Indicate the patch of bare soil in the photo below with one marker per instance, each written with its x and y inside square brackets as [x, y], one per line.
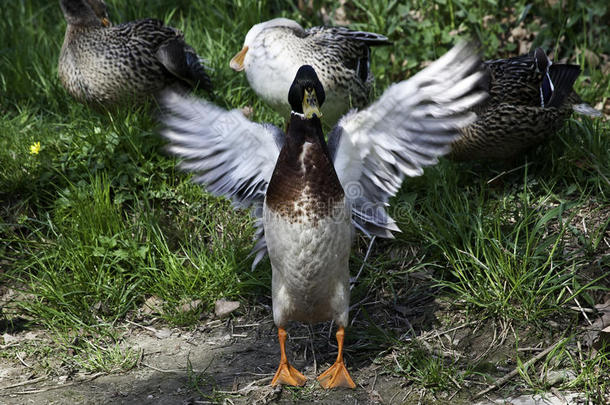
[232, 361]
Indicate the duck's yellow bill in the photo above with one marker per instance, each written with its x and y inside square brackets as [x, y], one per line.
[106, 22]
[310, 104]
[237, 63]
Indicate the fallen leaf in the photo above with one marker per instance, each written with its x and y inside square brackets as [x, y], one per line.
[152, 305]
[189, 306]
[600, 329]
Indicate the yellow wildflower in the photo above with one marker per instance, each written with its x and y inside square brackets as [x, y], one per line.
[35, 148]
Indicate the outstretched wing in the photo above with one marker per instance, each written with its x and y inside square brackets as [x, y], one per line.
[407, 128]
[231, 155]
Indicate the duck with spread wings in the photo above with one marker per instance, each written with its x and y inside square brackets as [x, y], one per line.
[309, 195]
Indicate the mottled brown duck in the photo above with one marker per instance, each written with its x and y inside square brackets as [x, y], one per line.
[530, 99]
[108, 65]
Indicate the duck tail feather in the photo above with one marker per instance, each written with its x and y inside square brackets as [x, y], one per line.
[182, 62]
[562, 78]
[586, 109]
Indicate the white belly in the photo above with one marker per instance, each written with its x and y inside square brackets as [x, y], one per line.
[310, 262]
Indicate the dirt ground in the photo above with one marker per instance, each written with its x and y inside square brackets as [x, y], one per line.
[221, 362]
[232, 361]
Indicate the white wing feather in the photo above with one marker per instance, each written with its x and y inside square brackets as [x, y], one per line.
[231, 155]
[407, 128]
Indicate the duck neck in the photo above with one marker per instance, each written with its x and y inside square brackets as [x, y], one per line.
[301, 130]
[79, 13]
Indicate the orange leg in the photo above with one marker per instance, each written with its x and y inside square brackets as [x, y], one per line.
[337, 375]
[286, 374]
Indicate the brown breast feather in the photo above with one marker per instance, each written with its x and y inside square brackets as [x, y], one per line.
[304, 185]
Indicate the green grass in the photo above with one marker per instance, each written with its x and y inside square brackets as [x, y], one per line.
[100, 219]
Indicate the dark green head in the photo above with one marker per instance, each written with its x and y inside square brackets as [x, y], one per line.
[306, 94]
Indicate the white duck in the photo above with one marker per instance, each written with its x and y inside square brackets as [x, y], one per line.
[274, 50]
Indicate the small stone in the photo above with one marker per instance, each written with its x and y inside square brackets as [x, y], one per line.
[557, 377]
[224, 308]
[163, 333]
[8, 339]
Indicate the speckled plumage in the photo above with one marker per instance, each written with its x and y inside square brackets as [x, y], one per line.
[307, 222]
[124, 62]
[340, 56]
[515, 118]
[304, 185]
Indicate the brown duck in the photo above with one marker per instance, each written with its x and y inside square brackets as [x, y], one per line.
[530, 98]
[109, 65]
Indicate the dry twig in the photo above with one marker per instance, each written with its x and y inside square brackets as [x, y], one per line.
[515, 371]
[54, 387]
[35, 380]
[248, 388]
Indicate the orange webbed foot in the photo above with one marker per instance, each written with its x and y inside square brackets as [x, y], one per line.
[288, 375]
[336, 376]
